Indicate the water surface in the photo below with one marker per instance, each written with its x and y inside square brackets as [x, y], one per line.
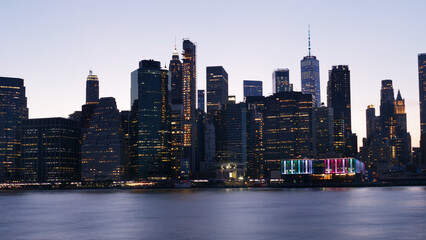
[329, 213]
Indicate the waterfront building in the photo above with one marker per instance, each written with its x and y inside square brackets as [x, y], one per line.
[13, 111]
[189, 77]
[104, 150]
[253, 88]
[50, 150]
[323, 131]
[281, 80]
[339, 98]
[422, 96]
[310, 75]
[150, 126]
[217, 88]
[255, 137]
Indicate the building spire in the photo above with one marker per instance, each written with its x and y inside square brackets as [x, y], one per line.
[309, 40]
[90, 72]
[399, 98]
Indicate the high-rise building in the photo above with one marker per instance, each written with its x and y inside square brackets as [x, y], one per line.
[201, 100]
[103, 149]
[150, 156]
[309, 66]
[282, 130]
[189, 86]
[217, 88]
[402, 140]
[92, 89]
[253, 88]
[387, 108]
[323, 131]
[13, 111]
[176, 119]
[281, 80]
[50, 150]
[422, 96]
[339, 98]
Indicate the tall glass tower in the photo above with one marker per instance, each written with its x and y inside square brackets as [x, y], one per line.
[309, 66]
[422, 95]
[13, 110]
[92, 89]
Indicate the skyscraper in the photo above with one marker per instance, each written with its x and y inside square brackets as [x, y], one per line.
[189, 74]
[281, 80]
[252, 88]
[339, 98]
[13, 111]
[103, 150]
[309, 66]
[50, 150]
[201, 100]
[176, 119]
[217, 88]
[387, 108]
[150, 157]
[324, 130]
[422, 96]
[92, 89]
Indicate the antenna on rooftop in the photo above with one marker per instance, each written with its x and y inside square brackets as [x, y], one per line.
[309, 40]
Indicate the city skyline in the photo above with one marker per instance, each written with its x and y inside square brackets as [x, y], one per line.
[54, 57]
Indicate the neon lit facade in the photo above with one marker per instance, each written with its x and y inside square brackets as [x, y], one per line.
[322, 166]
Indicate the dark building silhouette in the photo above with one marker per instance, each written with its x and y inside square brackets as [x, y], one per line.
[201, 100]
[50, 150]
[92, 89]
[281, 80]
[253, 88]
[150, 133]
[339, 98]
[103, 149]
[176, 119]
[422, 96]
[217, 88]
[286, 131]
[13, 111]
[310, 75]
[323, 131]
[189, 86]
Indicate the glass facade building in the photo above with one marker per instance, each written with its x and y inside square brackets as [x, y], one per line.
[253, 88]
[309, 66]
[50, 150]
[281, 80]
[13, 111]
[217, 88]
[92, 89]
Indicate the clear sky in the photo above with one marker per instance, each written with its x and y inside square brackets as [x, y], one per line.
[54, 44]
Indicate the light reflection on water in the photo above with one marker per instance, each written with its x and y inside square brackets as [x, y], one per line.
[237, 213]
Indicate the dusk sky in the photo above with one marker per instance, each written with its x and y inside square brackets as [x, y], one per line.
[52, 45]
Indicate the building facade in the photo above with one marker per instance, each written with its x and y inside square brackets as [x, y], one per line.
[13, 111]
[253, 88]
[217, 88]
[50, 150]
[281, 80]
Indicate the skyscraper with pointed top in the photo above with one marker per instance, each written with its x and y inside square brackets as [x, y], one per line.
[310, 77]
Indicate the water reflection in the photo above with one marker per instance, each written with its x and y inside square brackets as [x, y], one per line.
[237, 213]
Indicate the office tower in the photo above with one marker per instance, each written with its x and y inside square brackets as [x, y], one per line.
[370, 114]
[13, 111]
[189, 86]
[422, 96]
[50, 150]
[255, 139]
[217, 88]
[201, 100]
[323, 131]
[387, 107]
[92, 89]
[402, 139]
[150, 128]
[176, 117]
[103, 149]
[339, 98]
[309, 66]
[281, 80]
[252, 88]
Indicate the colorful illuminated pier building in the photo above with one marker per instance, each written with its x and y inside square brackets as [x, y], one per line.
[315, 170]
